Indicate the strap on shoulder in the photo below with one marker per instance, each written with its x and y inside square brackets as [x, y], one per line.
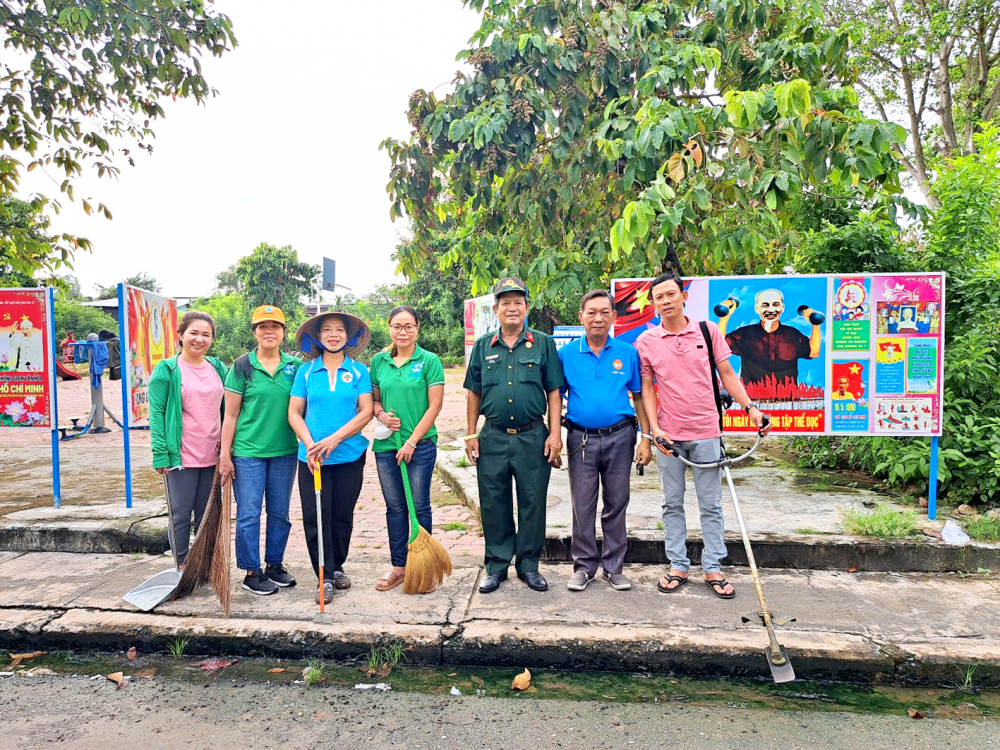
[711, 369]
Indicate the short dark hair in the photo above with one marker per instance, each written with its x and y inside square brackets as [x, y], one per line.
[594, 294]
[665, 277]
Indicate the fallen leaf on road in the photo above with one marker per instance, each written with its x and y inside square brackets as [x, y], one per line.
[965, 510]
[853, 569]
[477, 680]
[931, 532]
[16, 659]
[522, 681]
[119, 679]
[914, 713]
[131, 654]
[40, 672]
[145, 673]
[215, 664]
[276, 670]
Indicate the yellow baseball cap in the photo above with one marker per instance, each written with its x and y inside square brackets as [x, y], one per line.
[267, 312]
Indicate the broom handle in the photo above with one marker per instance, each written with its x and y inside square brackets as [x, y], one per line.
[414, 524]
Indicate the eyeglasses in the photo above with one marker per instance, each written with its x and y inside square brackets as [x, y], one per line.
[409, 328]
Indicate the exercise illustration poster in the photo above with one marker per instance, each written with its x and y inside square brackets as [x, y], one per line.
[25, 359]
[152, 337]
[796, 339]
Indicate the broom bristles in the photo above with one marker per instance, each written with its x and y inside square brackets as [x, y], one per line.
[427, 563]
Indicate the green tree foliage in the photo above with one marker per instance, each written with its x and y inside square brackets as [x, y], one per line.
[865, 244]
[594, 134]
[84, 79]
[934, 66]
[72, 316]
[25, 246]
[270, 276]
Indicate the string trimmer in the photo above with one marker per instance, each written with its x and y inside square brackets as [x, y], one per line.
[777, 657]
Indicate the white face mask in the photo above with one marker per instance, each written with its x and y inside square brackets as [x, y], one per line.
[382, 432]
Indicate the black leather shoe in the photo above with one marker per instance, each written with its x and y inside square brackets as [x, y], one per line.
[535, 580]
[491, 582]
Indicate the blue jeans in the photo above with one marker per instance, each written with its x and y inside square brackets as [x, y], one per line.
[255, 478]
[420, 470]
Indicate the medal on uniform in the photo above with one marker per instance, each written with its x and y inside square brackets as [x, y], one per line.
[528, 345]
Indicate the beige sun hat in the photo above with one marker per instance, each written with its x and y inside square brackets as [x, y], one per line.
[358, 335]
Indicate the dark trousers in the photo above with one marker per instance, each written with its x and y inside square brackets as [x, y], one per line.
[607, 460]
[189, 490]
[341, 488]
[504, 459]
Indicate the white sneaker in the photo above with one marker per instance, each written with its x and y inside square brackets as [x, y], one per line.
[579, 581]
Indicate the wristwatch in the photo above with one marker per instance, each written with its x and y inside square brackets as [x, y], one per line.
[750, 406]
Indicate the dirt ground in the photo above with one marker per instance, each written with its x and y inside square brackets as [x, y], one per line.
[92, 469]
[82, 712]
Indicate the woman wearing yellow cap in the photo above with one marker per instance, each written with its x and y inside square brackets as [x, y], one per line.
[258, 450]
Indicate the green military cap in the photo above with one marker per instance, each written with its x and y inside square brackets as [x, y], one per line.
[509, 284]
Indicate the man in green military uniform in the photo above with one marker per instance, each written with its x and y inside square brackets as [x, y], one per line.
[514, 374]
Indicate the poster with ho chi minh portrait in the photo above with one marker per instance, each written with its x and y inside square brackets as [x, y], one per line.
[822, 354]
[149, 333]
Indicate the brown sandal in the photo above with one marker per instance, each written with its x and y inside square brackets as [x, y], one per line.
[389, 581]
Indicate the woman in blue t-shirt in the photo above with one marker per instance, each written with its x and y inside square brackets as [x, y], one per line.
[331, 402]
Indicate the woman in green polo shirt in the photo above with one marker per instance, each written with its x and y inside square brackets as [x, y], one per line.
[408, 387]
[258, 450]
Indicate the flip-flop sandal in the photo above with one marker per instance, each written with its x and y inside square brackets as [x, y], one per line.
[389, 581]
[671, 579]
[721, 583]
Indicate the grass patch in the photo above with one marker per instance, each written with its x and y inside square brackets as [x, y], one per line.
[807, 531]
[882, 522]
[982, 528]
[176, 646]
[386, 654]
[314, 673]
[454, 526]
[659, 525]
[463, 462]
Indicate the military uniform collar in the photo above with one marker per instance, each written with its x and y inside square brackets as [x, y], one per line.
[526, 335]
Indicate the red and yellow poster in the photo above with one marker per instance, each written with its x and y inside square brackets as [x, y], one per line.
[151, 336]
[25, 359]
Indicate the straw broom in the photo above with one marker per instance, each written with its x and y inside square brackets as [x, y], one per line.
[209, 560]
[427, 561]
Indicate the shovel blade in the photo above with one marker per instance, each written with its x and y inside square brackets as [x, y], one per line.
[780, 672]
[155, 591]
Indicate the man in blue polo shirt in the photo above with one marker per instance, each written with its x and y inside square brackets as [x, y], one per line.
[600, 372]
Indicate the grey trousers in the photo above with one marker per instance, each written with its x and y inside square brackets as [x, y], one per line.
[707, 484]
[189, 491]
[607, 460]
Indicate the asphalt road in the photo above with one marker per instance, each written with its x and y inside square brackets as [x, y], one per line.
[78, 712]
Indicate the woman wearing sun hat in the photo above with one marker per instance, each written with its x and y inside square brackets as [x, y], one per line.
[258, 450]
[331, 401]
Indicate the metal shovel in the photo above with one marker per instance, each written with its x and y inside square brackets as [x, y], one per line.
[160, 588]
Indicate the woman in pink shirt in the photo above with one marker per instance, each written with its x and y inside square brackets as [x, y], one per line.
[185, 424]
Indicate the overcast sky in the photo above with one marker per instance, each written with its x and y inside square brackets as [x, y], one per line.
[286, 154]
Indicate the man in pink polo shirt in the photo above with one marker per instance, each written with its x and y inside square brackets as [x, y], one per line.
[676, 357]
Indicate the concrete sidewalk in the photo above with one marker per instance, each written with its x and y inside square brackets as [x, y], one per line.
[867, 627]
